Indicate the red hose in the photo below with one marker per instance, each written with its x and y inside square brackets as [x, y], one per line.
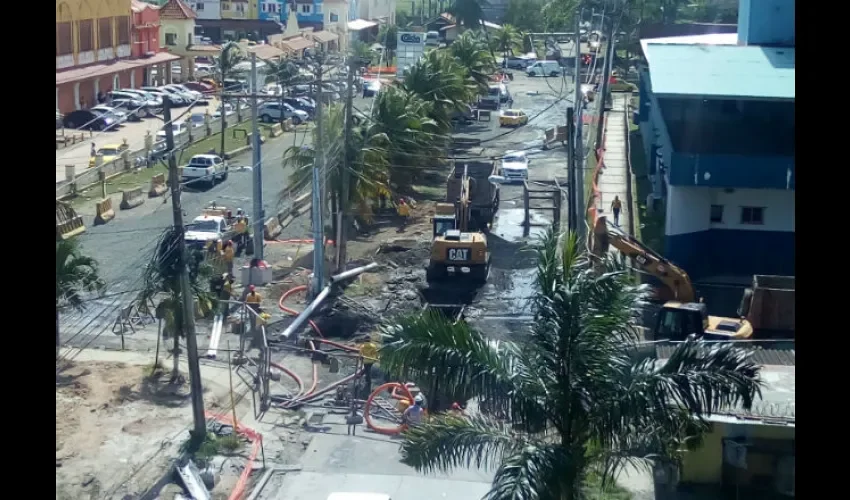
[293, 376]
[387, 431]
[338, 345]
[327, 242]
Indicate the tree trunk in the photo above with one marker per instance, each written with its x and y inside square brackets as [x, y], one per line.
[223, 125]
[175, 370]
[158, 337]
[57, 333]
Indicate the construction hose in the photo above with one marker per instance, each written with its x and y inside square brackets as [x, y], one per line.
[367, 414]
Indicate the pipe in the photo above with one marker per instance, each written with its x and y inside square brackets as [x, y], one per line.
[338, 345]
[306, 313]
[353, 272]
[367, 414]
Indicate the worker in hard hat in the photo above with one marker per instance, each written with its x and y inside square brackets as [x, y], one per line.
[369, 354]
[403, 212]
[412, 416]
[227, 293]
[253, 300]
[228, 253]
[241, 230]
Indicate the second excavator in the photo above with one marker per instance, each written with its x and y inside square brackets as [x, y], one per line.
[682, 314]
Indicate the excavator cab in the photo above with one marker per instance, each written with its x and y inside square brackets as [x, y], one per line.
[677, 321]
[444, 219]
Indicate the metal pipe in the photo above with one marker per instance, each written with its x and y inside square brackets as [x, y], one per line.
[353, 272]
[305, 314]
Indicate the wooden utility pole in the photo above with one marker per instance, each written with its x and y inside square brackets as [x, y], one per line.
[195, 386]
[344, 212]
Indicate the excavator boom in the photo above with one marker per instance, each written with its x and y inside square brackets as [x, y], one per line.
[675, 278]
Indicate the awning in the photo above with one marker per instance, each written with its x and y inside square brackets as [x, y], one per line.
[266, 51]
[98, 70]
[325, 36]
[297, 43]
[361, 24]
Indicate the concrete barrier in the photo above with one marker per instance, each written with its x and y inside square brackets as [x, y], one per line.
[276, 130]
[271, 229]
[68, 223]
[103, 211]
[131, 198]
[287, 125]
[158, 186]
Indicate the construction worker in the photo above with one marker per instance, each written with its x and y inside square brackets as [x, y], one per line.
[240, 227]
[228, 253]
[227, 293]
[457, 409]
[616, 206]
[253, 300]
[412, 416]
[403, 212]
[369, 353]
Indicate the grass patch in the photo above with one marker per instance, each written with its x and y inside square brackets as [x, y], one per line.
[203, 452]
[595, 489]
[649, 226]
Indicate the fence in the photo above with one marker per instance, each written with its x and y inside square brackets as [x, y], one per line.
[91, 176]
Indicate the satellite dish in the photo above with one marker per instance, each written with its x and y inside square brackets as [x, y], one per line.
[496, 180]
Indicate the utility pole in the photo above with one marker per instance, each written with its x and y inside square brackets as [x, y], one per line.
[257, 168]
[571, 171]
[197, 391]
[318, 172]
[577, 203]
[606, 76]
[344, 216]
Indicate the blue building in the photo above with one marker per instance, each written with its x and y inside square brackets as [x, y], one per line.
[272, 10]
[717, 121]
[310, 12]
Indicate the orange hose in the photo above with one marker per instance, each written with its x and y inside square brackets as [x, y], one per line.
[327, 242]
[387, 431]
[293, 376]
[293, 312]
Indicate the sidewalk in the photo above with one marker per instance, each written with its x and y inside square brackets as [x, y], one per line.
[613, 176]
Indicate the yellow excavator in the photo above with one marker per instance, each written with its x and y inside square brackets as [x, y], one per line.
[456, 251]
[682, 314]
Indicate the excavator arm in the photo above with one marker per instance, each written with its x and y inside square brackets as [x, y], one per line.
[676, 279]
[463, 202]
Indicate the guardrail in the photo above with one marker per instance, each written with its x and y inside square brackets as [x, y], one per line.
[79, 181]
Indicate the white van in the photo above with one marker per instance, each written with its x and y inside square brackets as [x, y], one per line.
[545, 68]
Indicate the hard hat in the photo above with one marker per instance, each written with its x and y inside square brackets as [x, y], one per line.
[418, 399]
[251, 288]
[455, 406]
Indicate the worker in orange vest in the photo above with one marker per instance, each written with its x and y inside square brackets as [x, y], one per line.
[228, 253]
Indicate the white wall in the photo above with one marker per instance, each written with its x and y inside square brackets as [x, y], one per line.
[183, 28]
[211, 9]
[689, 209]
[377, 9]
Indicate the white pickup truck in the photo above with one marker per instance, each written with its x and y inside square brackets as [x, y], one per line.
[208, 228]
[206, 169]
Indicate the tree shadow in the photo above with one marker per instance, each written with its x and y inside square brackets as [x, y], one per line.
[156, 388]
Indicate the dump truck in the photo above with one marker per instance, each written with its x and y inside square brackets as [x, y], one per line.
[482, 197]
[457, 251]
[765, 309]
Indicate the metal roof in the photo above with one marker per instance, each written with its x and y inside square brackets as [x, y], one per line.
[731, 71]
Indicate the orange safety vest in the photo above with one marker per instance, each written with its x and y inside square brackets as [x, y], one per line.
[228, 254]
[253, 298]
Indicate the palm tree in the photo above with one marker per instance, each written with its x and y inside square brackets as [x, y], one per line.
[578, 400]
[76, 275]
[471, 53]
[507, 40]
[280, 72]
[225, 67]
[369, 172]
[468, 13]
[439, 79]
[388, 36]
[161, 279]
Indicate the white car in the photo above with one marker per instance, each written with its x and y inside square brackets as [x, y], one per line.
[228, 110]
[206, 169]
[274, 111]
[515, 166]
[206, 228]
[116, 114]
[179, 127]
[197, 120]
[194, 94]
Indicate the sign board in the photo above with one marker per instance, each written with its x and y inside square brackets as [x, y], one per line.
[409, 50]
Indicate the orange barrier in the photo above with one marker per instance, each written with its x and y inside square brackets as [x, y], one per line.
[382, 69]
[257, 442]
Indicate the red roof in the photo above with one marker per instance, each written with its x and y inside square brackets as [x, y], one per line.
[176, 9]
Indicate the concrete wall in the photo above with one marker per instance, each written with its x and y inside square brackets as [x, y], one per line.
[183, 29]
[211, 8]
[377, 9]
[730, 247]
[74, 11]
[766, 22]
[705, 465]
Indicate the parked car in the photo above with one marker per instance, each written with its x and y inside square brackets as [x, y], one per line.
[119, 116]
[499, 90]
[228, 110]
[371, 88]
[194, 94]
[148, 102]
[187, 98]
[84, 119]
[302, 104]
[545, 68]
[201, 87]
[163, 94]
[274, 111]
[520, 62]
[152, 102]
[135, 109]
[109, 152]
[512, 118]
[179, 127]
[206, 169]
[197, 120]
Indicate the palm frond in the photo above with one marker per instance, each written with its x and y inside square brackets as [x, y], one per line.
[446, 442]
[76, 275]
[537, 470]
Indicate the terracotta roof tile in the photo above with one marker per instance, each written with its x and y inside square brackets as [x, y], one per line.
[176, 9]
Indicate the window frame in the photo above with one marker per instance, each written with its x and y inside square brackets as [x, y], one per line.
[750, 221]
[711, 214]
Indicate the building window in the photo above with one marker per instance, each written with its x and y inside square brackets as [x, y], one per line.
[86, 35]
[334, 18]
[717, 214]
[306, 9]
[123, 29]
[752, 215]
[240, 7]
[199, 6]
[104, 33]
[171, 39]
[64, 39]
[225, 6]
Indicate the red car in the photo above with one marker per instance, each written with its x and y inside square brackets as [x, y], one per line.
[199, 87]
